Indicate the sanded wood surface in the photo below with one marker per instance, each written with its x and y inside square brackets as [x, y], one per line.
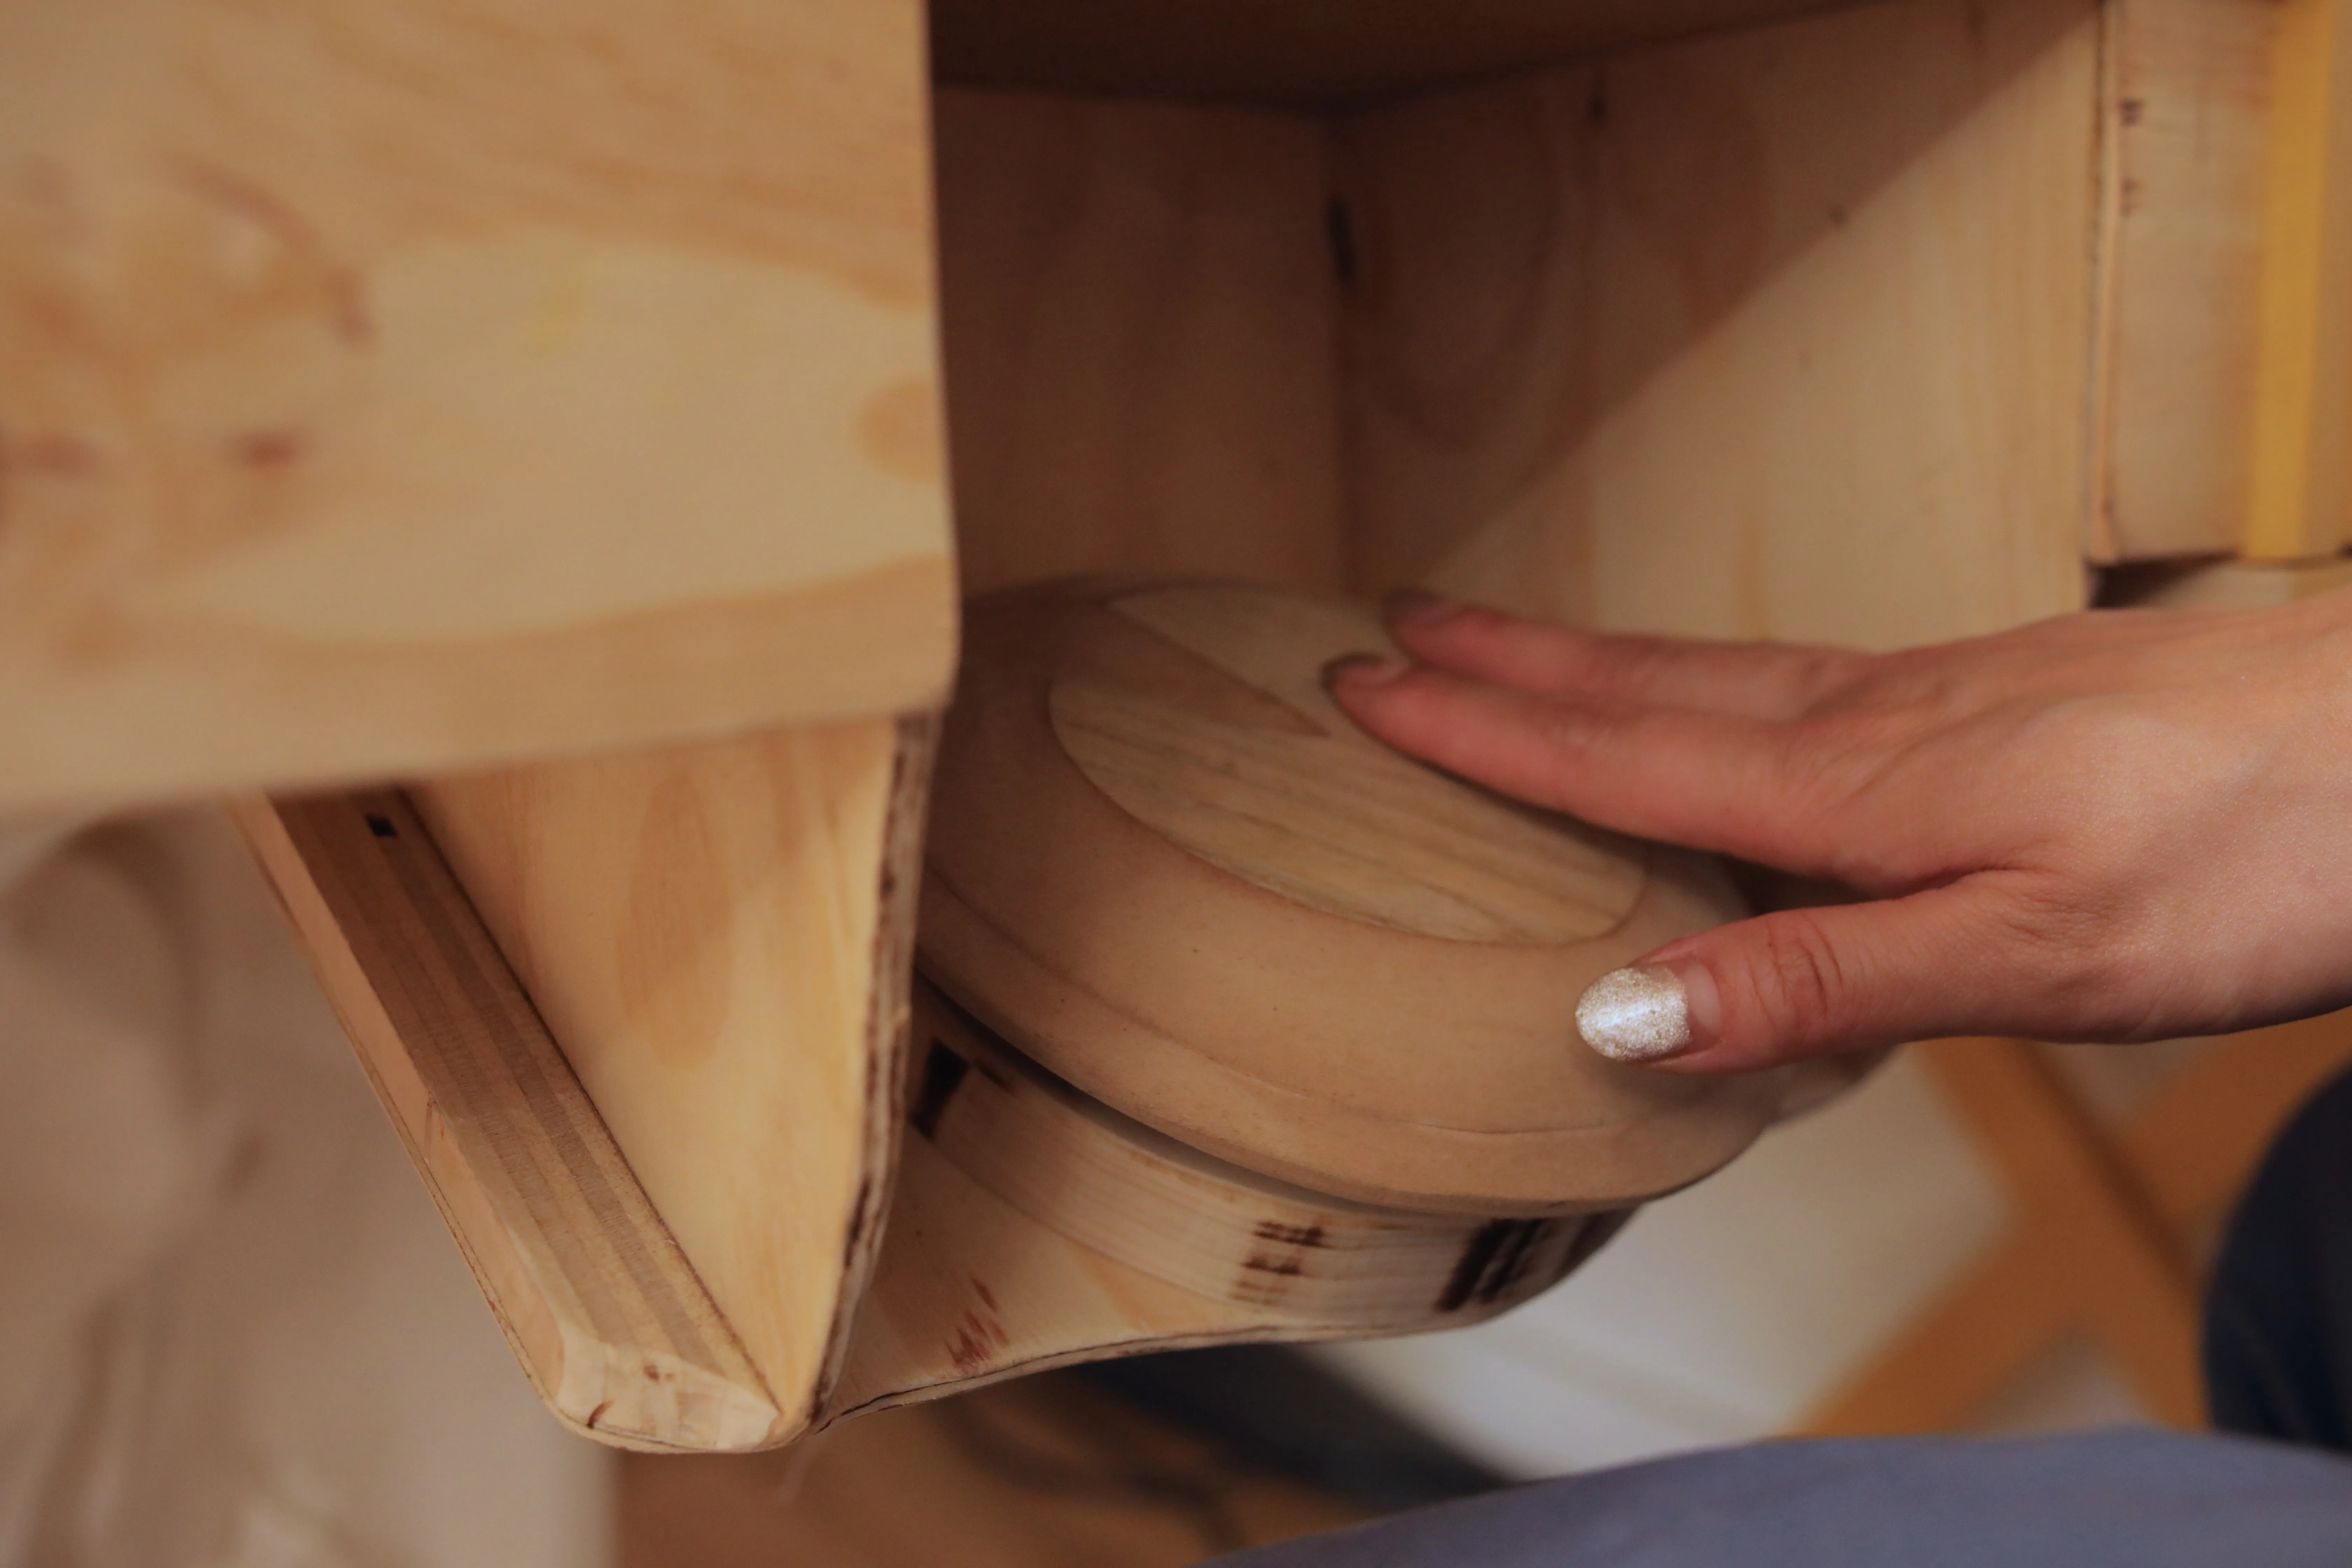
[1782, 333]
[2188, 1152]
[1138, 319]
[399, 387]
[605, 1313]
[719, 937]
[1408, 1044]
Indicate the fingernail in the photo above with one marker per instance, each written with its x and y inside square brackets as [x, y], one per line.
[1361, 670]
[1642, 1014]
[1419, 605]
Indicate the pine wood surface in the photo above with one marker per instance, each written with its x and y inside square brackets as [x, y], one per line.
[1037, 1474]
[1299, 52]
[2300, 502]
[408, 386]
[1137, 326]
[719, 938]
[2185, 116]
[1362, 1056]
[1776, 334]
[602, 1311]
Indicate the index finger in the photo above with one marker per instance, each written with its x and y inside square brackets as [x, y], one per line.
[1720, 782]
[1763, 681]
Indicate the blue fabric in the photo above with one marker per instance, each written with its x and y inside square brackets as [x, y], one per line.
[2105, 1499]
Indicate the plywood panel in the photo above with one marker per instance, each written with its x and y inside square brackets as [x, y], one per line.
[609, 1322]
[1138, 308]
[719, 939]
[402, 386]
[1783, 334]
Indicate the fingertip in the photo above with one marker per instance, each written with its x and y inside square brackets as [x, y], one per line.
[1653, 1012]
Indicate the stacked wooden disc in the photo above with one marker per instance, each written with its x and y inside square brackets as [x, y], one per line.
[1224, 990]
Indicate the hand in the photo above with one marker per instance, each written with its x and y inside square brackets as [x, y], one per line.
[2115, 826]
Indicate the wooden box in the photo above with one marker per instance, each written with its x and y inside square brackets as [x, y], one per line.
[537, 406]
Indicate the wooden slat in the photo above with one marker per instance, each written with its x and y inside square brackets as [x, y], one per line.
[2301, 503]
[2133, 1285]
[720, 938]
[2189, 1150]
[2185, 101]
[604, 1311]
[395, 388]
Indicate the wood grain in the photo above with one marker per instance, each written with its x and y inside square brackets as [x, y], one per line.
[605, 1313]
[719, 937]
[2185, 109]
[1351, 1052]
[1138, 318]
[409, 386]
[1778, 334]
[1376, 837]
[1116, 1187]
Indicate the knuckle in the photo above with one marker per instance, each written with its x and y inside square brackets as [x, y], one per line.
[1798, 981]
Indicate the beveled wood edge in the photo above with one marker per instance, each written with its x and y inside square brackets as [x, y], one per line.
[600, 1306]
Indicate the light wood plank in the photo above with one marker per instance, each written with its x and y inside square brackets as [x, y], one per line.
[2301, 501]
[400, 388]
[2186, 107]
[1780, 334]
[719, 937]
[605, 1315]
[1139, 316]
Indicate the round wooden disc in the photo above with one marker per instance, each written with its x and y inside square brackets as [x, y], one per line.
[1164, 865]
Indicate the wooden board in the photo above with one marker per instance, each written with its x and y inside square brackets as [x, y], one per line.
[719, 938]
[2300, 501]
[608, 1319]
[1139, 316]
[1299, 52]
[1784, 333]
[1207, 900]
[2185, 113]
[412, 386]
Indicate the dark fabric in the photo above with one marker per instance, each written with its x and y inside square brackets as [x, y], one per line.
[2109, 1500]
[2278, 1317]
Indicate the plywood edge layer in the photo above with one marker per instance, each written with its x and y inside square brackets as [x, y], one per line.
[605, 1313]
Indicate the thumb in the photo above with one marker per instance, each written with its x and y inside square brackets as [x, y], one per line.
[1803, 983]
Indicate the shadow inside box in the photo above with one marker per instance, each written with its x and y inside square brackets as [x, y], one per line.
[1274, 1410]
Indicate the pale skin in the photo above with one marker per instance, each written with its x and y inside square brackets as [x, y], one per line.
[2115, 826]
